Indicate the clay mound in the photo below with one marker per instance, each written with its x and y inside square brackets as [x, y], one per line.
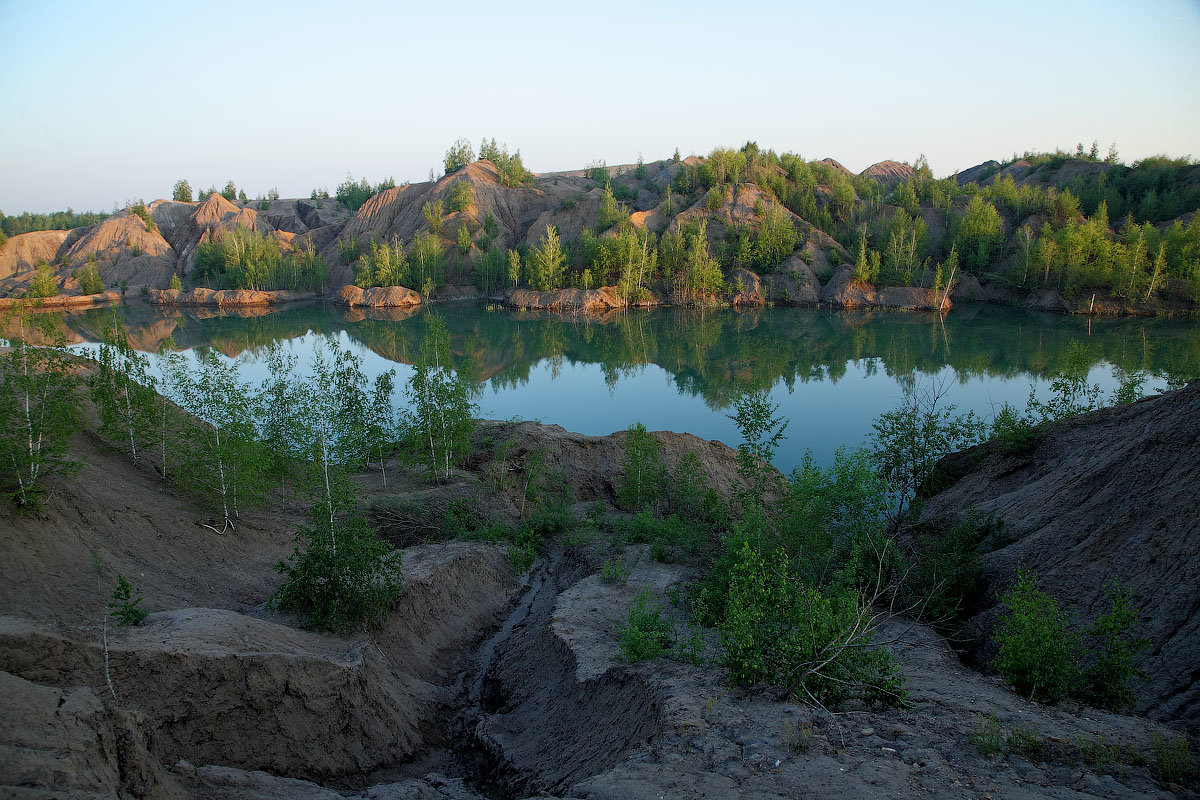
[972, 174]
[377, 297]
[24, 252]
[1018, 171]
[888, 173]
[208, 219]
[169, 214]
[398, 212]
[1109, 495]
[568, 218]
[837, 165]
[303, 216]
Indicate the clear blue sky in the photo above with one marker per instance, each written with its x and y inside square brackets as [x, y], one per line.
[106, 102]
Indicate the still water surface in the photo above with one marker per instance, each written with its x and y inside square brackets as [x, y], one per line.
[831, 372]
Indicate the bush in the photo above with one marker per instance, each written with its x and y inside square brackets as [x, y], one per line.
[1172, 758]
[646, 634]
[948, 573]
[642, 472]
[342, 580]
[811, 641]
[460, 196]
[90, 281]
[44, 283]
[141, 212]
[123, 606]
[714, 198]
[1013, 432]
[1038, 653]
[1109, 681]
[458, 156]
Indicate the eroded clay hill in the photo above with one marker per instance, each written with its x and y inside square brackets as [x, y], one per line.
[1111, 495]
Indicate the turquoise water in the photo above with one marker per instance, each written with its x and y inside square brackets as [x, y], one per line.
[832, 373]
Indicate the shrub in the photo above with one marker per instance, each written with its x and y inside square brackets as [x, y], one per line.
[123, 606]
[1109, 682]
[812, 641]
[1172, 758]
[1038, 653]
[991, 738]
[44, 283]
[460, 196]
[176, 283]
[714, 198]
[1013, 432]
[90, 281]
[642, 471]
[948, 573]
[458, 156]
[340, 578]
[646, 634]
[141, 212]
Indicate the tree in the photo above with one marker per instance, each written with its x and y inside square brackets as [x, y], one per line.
[460, 196]
[223, 465]
[229, 192]
[439, 420]
[761, 431]
[514, 267]
[433, 215]
[642, 472]
[910, 439]
[464, 239]
[382, 427]
[39, 410]
[44, 283]
[1038, 654]
[122, 389]
[776, 238]
[458, 156]
[89, 278]
[548, 262]
[182, 192]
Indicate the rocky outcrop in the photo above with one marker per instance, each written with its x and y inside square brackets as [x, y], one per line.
[231, 298]
[977, 172]
[377, 297]
[793, 283]
[843, 291]
[1111, 495]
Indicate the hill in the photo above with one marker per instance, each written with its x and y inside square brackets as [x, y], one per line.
[1065, 232]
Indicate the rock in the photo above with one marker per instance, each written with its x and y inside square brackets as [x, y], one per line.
[201, 296]
[588, 301]
[843, 291]
[377, 297]
[1112, 494]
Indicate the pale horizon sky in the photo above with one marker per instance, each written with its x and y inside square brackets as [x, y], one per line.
[109, 103]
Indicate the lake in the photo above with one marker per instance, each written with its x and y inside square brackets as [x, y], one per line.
[831, 372]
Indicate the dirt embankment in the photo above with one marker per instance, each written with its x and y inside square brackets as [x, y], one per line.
[1111, 495]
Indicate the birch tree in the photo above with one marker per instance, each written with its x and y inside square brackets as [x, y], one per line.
[442, 404]
[122, 390]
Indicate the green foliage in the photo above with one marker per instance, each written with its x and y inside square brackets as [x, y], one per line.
[123, 606]
[458, 156]
[795, 635]
[777, 238]
[646, 634]
[460, 196]
[340, 573]
[353, 195]
[89, 279]
[909, 440]
[1109, 681]
[229, 192]
[761, 433]
[223, 467]
[44, 283]
[512, 171]
[1014, 432]
[991, 738]
[615, 571]
[491, 270]
[39, 411]
[122, 390]
[434, 216]
[714, 198]
[1038, 655]
[141, 212]
[247, 259]
[176, 283]
[1172, 759]
[441, 404]
[464, 239]
[55, 221]
[611, 212]
[384, 264]
[1071, 395]
[547, 262]
[947, 575]
[642, 472]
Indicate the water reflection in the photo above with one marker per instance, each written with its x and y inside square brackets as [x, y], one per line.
[679, 369]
